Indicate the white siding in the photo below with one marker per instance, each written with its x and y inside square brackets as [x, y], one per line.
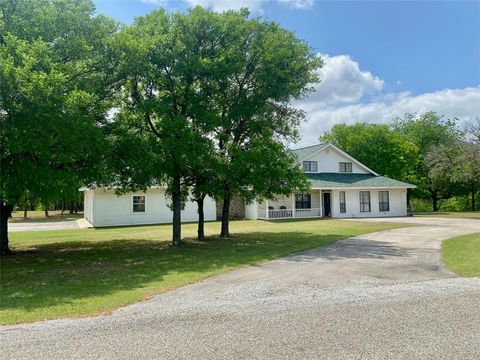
[329, 159]
[397, 197]
[251, 211]
[112, 210]
[88, 205]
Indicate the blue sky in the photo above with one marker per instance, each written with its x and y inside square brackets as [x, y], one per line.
[384, 58]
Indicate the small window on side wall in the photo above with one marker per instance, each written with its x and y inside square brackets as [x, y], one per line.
[383, 201]
[345, 167]
[310, 166]
[138, 203]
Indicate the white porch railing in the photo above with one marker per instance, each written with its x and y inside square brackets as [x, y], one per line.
[304, 213]
[280, 214]
[288, 213]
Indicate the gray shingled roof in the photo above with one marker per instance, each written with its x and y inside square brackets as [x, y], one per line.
[350, 180]
[302, 153]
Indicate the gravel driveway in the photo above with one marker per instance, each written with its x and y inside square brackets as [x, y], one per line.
[377, 296]
[40, 226]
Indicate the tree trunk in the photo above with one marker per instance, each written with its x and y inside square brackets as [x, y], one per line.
[176, 205]
[5, 213]
[46, 210]
[473, 197]
[70, 207]
[25, 207]
[225, 232]
[201, 218]
[435, 202]
[63, 206]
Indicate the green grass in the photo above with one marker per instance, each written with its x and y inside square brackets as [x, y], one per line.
[462, 254]
[450, 214]
[39, 216]
[57, 274]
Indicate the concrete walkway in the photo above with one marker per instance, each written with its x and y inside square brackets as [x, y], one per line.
[381, 295]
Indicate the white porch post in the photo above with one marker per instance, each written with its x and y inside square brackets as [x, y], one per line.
[321, 203]
[293, 205]
[266, 209]
[251, 210]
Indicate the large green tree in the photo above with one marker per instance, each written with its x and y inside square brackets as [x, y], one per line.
[427, 131]
[205, 91]
[167, 63]
[54, 88]
[267, 67]
[378, 146]
[456, 165]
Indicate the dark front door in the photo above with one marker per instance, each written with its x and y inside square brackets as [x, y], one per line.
[326, 204]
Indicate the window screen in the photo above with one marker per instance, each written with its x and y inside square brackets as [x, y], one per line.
[345, 167]
[310, 166]
[365, 201]
[343, 205]
[383, 201]
[138, 203]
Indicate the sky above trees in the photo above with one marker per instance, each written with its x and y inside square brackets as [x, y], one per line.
[382, 59]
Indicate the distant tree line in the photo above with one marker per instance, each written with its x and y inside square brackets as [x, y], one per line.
[70, 203]
[440, 156]
[198, 102]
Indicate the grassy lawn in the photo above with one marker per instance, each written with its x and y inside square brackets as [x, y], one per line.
[450, 214]
[462, 254]
[39, 216]
[68, 273]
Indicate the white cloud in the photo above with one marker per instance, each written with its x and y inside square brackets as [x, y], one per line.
[155, 2]
[348, 94]
[298, 4]
[342, 81]
[461, 103]
[223, 5]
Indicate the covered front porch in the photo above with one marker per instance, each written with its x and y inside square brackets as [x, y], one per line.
[315, 204]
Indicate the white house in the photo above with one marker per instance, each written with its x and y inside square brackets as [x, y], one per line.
[342, 187]
[104, 208]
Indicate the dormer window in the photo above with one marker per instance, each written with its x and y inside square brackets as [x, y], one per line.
[310, 166]
[346, 167]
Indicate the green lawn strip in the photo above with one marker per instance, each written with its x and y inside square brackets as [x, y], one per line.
[450, 214]
[57, 274]
[39, 216]
[462, 254]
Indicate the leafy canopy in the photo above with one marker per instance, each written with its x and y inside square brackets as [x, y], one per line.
[376, 145]
[53, 95]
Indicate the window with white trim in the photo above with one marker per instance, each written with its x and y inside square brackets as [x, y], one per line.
[310, 166]
[345, 167]
[343, 204]
[383, 201]
[303, 201]
[138, 203]
[365, 201]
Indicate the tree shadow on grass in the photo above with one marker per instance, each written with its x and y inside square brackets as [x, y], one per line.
[69, 273]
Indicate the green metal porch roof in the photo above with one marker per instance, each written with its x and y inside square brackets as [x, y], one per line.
[350, 180]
